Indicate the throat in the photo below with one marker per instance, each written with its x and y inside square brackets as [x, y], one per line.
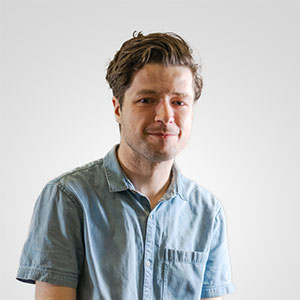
[150, 179]
[155, 195]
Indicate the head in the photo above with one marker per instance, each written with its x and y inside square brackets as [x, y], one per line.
[168, 49]
[155, 83]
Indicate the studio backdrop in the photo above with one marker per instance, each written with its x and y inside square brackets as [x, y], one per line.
[57, 114]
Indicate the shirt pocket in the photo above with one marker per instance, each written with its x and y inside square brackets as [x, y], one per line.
[183, 274]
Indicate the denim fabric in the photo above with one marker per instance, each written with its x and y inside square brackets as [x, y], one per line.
[92, 230]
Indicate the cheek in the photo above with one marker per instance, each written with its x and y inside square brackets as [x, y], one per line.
[134, 122]
[128, 118]
[184, 121]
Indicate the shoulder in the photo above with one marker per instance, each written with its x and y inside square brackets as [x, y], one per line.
[82, 174]
[77, 183]
[198, 196]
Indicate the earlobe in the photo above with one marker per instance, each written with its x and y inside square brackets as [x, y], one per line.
[117, 109]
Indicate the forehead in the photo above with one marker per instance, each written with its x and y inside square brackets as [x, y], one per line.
[162, 79]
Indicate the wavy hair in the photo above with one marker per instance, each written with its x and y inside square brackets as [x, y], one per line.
[168, 49]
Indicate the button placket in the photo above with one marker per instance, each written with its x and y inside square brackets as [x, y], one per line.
[148, 260]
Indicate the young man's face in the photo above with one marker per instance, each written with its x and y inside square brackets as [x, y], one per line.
[157, 112]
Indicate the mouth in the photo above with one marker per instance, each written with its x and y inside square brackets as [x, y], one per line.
[163, 135]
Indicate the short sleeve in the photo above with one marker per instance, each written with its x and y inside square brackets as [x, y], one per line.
[217, 277]
[53, 251]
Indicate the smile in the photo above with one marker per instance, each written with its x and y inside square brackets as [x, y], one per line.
[162, 134]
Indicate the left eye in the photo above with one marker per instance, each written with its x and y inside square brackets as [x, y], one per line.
[180, 103]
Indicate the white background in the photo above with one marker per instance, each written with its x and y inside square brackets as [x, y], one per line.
[56, 114]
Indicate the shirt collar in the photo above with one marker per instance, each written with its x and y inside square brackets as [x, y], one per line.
[116, 178]
[118, 181]
[176, 186]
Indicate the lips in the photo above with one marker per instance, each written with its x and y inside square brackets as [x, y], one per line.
[162, 134]
[162, 131]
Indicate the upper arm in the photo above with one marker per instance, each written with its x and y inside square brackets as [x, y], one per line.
[217, 276]
[54, 249]
[47, 291]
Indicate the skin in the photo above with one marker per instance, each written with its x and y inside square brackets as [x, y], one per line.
[47, 291]
[156, 120]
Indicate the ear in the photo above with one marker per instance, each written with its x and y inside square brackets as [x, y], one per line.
[117, 109]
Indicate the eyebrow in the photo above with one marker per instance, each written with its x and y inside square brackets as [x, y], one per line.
[153, 92]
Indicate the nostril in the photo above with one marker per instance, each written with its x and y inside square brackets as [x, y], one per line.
[165, 117]
[164, 121]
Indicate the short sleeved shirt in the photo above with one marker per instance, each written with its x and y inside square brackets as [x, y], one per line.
[91, 230]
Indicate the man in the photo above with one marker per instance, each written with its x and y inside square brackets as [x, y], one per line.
[130, 226]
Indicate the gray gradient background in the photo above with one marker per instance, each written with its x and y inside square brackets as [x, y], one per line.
[56, 114]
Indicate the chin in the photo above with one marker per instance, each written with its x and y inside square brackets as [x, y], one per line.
[160, 156]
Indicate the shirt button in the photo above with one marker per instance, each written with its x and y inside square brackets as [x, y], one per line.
[148, 263]
[151, 217]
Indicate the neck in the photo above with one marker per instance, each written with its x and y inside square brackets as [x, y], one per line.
[150, 178]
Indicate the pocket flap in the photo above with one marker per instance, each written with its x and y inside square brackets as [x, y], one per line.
[172, 255]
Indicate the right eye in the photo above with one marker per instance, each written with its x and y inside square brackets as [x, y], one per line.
[145, 100]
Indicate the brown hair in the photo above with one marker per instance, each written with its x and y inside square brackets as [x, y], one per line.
[168, 49]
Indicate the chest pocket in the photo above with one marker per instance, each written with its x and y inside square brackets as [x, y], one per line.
[183, 274]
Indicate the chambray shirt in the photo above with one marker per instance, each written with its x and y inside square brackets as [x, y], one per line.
[91, 230]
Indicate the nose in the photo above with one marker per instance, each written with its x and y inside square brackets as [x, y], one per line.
[164, 113]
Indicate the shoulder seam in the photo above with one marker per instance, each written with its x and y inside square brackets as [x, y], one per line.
[71, 172]
[70, 196]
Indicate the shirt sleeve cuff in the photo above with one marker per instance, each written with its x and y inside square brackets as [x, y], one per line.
[29, 275]
[217, 291]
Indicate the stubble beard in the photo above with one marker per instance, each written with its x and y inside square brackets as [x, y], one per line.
[152, 152]
[144, 148]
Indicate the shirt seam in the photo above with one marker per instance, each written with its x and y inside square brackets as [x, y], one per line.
[31, 275]
[82, 168]
[216, 287]
[70, 196]
[67, 275]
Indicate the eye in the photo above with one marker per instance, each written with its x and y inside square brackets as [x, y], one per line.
[179, 103]
[145, 100]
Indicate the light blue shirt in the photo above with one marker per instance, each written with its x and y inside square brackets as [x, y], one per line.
[91, 230]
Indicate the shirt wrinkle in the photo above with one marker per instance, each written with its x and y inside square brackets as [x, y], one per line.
[96, 244]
